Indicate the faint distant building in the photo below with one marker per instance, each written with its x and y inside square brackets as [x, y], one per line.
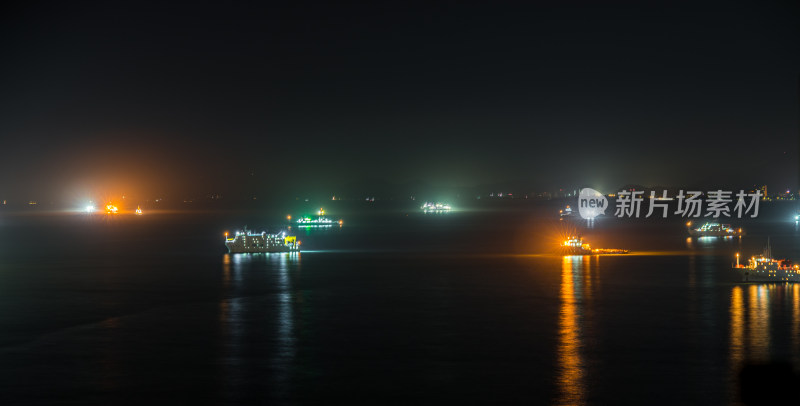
[762, 189]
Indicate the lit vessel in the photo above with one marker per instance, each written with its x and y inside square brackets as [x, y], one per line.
[138, 211]
[245, 241]
[111, 209]
[714, 230]
[429, 207]
[320, 221]
[764, 268]
[575, 246]
[565, 212]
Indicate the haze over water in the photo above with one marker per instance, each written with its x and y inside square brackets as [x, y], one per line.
[395, 307]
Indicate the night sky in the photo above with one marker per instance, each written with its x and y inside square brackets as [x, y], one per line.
[191, 98]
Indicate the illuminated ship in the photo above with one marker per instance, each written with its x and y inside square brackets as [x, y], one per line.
[575, 246]
[138, 211]
[429, 207]
[320, 221]
[714, 230]
[566, 211]
[245, 241]
[764, 268]
[317, 222]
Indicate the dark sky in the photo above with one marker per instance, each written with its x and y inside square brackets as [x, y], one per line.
[196, 97]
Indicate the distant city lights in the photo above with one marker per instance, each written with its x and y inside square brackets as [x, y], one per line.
[429, 207]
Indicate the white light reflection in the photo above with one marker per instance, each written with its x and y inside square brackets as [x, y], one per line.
[284, 357]
[232, 320]
[246, 320]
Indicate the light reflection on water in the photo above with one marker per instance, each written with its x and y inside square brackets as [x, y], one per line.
[736, 348]
[763, 325]
[750, 311]
[283, 358]
[753, 311]
[240, 311]
[231, 320]
[795, 316]
[758, 321]
[571, 365]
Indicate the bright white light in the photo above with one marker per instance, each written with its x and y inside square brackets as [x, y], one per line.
[89, 209]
